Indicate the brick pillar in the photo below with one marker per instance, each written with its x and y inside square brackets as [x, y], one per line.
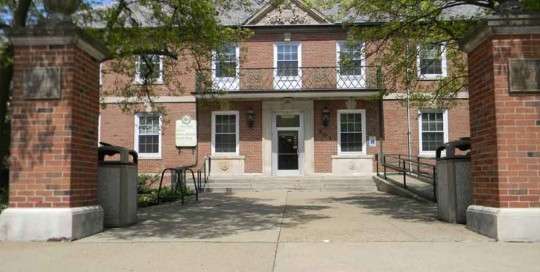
[505, 130]
[53, 164]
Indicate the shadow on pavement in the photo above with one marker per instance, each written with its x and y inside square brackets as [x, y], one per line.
[215, 216]
[395, 207]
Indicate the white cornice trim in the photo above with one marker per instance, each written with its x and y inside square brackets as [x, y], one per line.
[299, 94]
[155, 99]
[402, 96]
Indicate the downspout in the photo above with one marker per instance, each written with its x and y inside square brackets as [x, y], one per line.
[408, 103]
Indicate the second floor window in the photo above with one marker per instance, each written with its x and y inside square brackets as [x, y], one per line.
[350, 66]
[226, 61]
[287, 60]
[149, 69]
[148, 135]
[431, 61]
[349, 59]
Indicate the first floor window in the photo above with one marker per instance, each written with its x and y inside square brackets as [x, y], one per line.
[433, 130]
[225, 132]
[351, 131]
[149, 69]
[148, 134]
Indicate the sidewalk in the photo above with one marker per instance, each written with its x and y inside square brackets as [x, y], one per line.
[280, 231]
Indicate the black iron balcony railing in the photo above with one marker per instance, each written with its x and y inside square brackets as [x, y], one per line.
[290, 78]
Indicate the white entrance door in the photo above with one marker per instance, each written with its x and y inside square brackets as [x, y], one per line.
[287, 143]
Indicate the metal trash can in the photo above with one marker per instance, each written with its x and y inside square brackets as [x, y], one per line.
[454, 187]
[117, 185]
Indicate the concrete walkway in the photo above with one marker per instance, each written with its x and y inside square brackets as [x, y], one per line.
[280, 231]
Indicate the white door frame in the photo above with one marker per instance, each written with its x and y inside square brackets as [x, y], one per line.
[300, 129]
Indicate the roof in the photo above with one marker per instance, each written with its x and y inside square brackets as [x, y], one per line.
[290, 12]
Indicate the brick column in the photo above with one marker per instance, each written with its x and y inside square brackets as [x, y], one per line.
[53, 166]
[505, 131]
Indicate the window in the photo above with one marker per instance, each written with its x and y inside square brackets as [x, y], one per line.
[149, 69]
[225, 132]
[148, 135]
[351, 65]
[287, 62]
[431, 61]
[351, 131]
[433, 125]
[226, 68]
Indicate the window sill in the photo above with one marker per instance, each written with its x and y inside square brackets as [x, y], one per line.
[426, 154]
[149, 157]
[218, 156]
[431, 77]
[352, 156]
[156, 83]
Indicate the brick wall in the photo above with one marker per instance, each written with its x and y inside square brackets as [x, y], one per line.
[250, 138]
[395, 125]
[504, 127]
[118, 128]
[54, 142]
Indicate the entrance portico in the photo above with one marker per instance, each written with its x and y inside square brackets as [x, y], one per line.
[287, 138]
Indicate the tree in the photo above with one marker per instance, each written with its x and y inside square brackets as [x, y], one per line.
[127, 28]
[402, 25]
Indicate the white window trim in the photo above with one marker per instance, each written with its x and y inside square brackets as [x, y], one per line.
[139, 80]
[444, 68]
[288, 78]
[101, 74]
[148, 156]
[220, 82]
[214, 114]
[361, 78]
[99, 129]
[364, 125]
[445, 130]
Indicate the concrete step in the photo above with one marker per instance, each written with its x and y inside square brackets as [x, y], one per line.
[325, 183]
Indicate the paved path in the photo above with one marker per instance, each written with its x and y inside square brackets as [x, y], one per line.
[280, 231]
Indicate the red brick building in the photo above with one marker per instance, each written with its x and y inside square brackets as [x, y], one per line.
[295, 99]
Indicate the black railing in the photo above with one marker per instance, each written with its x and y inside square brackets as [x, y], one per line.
[291, 78]
[420, 169]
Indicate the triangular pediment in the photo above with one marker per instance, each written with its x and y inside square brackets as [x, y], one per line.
[287, 12]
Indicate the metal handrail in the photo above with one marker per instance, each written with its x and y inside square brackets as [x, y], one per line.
[407, 166]
[290, 78]
[204, 173]
[181, 182]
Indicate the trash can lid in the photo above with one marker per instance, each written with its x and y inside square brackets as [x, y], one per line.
[111, 150]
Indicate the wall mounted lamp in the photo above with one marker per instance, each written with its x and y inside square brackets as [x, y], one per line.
[325, 116]
[250, 118]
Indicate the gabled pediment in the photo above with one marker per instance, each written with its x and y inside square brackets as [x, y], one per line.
[287, 12]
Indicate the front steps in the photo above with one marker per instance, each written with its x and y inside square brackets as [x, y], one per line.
[260, 184]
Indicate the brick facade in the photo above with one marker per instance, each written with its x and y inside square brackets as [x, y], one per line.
[505, 129]
[318, 50]
[54, 143]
